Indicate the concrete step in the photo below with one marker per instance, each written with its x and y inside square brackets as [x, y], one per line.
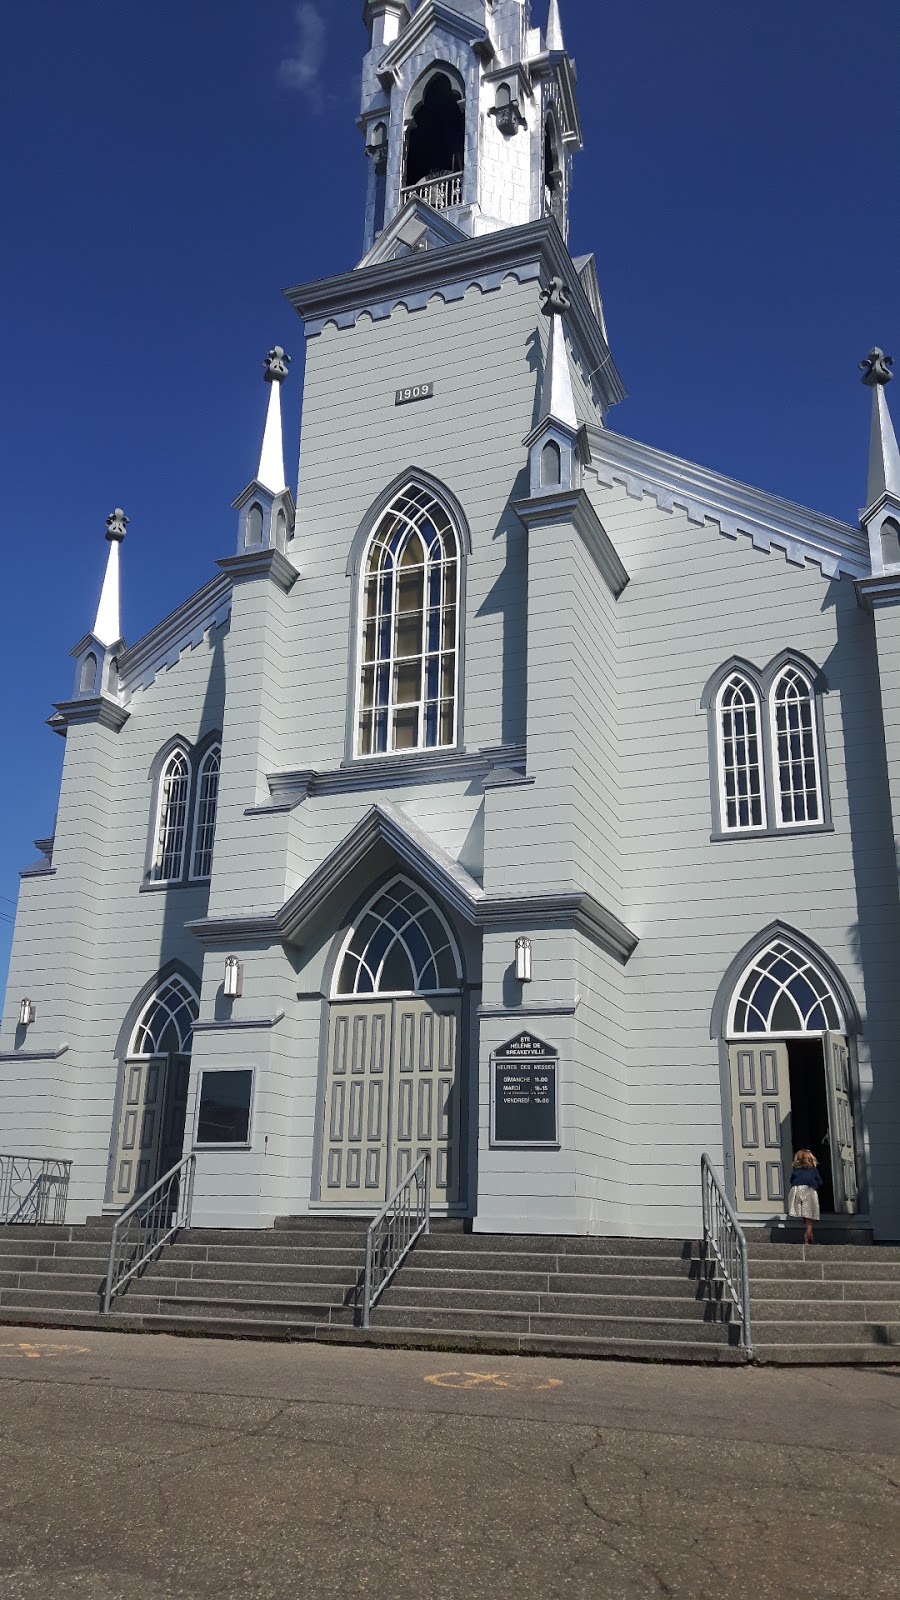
[863, 1253]
[37, 1299]
[446, 1257]
[827, 1292]
[670, 1286]
[798, 1332]
[828, 1355]
[285, 1310]
[556, 1244]
[825, 1271]
[240, 1293]
[280, 1239]
[817, 1313]
[670, 1330]
[253, 1272]
[493, 1302]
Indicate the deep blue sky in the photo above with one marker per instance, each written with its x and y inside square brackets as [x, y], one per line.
[164, 176]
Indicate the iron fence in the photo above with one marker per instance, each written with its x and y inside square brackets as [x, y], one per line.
[33, 1189]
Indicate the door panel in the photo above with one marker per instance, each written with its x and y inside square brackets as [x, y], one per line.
[354, 1167]
[140, 1127]
[425, 1100]
[761, 1121]
[840, 1123]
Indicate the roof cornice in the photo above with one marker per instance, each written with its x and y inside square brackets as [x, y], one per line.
[385, 824]
[98, 709]
[533, 252]
[877, 593]
[181, 630]
[736, 508]
[434, 13]
[573, 506]
[261, 564]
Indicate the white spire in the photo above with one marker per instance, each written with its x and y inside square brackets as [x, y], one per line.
[108, 628]
[554, 28]
[884, 454]
[271, 461]
[557, 399]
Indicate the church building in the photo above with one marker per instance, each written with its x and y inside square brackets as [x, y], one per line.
[512, 792]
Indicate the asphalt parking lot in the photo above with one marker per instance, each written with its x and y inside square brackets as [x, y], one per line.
[158, 1468]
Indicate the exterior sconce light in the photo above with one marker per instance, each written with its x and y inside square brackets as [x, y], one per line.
[524, 952]
[27, 1013]
[233, 986]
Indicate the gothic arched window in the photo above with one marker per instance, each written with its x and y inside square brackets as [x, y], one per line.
[172, 818]
[551, 465]
[88, 682]
[436, 141]
[409, 649]
[166, 1025]
[554, 176]
[254, 534]
[740, 755]
[890, 542]
[205, 812]
[401, 945]
[795, 745]
[783, 992]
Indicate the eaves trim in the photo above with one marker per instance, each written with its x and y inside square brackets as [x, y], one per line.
[735, 508]
[182, 630]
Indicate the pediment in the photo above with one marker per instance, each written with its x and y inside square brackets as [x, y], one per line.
[433, 15]
[416, 228]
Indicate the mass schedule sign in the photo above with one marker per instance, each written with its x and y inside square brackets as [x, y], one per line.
[524, 1093]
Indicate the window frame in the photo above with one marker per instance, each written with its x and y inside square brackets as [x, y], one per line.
[774, 740]
[749, 827]
[214, 749]
[231, 1144]
[196, 756]
[182, 750]
[413, 480]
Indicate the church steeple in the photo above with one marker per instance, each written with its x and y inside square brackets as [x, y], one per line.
[108, 628]
[266, 507]
[881, 518]
[468, 110]
[95, 654]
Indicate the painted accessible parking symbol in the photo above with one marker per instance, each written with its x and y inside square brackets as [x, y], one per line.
[529, 1383]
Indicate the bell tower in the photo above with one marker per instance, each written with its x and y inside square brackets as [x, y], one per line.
[470, 110]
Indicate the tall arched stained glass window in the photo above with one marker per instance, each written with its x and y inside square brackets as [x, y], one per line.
[796, 748]
[410, 628]
[172, 816]
[740, 756]
[205, 815]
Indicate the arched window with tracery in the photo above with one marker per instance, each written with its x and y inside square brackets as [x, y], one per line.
[783, 992]
[742, 788]
[172, 818]
[167, 1023]
[408, 686]
[795, 745]
[435, 141]
[205, 813]
[401, 945]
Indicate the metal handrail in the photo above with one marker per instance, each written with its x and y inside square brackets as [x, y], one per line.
[441, 191]
[147, 1224]
[725, 1239]
[27, 1184]
[394, 1231]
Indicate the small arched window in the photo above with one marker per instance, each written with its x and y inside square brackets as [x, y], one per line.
[280, 531]
[205, 814]
[742, 793]
[890, 542]
[402, 945]
[410, 628]
[795, 744]
[783, 992]
[172, 818]
[167, 1023]
[88, 681]
[254, 533]
[551, 465]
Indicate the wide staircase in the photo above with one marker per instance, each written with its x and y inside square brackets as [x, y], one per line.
[302, 1280]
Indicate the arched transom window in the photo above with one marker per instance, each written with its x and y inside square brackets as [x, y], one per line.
[740, 756]
[172, 816]
[410, 629]
[783, 992]
[402, 945]
[796, 749]
[167, 1023]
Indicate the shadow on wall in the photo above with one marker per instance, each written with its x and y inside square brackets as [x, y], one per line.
[852, 674]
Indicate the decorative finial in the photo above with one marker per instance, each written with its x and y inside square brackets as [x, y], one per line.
[276, 365]
[876, 368]
[116, 523]
[555, 299]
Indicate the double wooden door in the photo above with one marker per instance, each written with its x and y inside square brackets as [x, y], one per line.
[761, 1123]
[150, 1134]
[392, 1092]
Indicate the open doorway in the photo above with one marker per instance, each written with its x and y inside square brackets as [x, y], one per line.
[809, 1110]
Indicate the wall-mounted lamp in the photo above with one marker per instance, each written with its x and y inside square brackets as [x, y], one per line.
[233, 985]
[27, 1013]
[523, 960]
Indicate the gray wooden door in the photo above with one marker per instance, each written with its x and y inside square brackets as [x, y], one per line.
[140, 1130]
[356, 1103]
[391, 1093]
[425, 1093]
[840, 1123]
[761, 1118]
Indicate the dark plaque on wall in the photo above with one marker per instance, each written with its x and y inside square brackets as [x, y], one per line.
[524, 1087]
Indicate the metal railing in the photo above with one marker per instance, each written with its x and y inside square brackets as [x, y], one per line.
[440, 193]
[146, 1225]
[725, 1242]
[395, 1230]
[33, 1189]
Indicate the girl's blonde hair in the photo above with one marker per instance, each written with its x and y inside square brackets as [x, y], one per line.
[805, 1158]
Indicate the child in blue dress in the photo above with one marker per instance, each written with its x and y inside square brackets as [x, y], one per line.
[803, 1200]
